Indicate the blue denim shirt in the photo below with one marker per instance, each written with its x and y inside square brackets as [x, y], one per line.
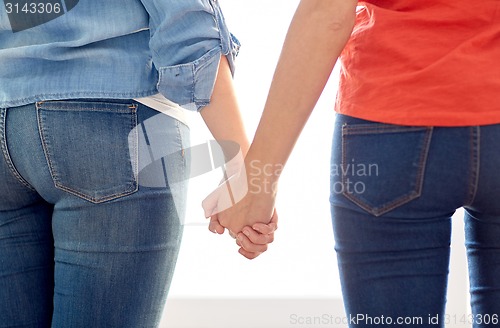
[112, 49]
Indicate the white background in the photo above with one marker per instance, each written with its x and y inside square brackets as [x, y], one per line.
[300, 267]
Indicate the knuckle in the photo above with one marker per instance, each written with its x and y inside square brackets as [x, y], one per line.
[262, 240]
[258, 239]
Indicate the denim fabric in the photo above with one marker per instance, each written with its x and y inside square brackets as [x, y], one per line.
[393, 192]
[113, 49]
[83, 242]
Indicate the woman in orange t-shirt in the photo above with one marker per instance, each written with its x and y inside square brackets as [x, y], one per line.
[417, 137]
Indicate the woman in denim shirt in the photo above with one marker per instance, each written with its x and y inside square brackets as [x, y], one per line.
[92, 177]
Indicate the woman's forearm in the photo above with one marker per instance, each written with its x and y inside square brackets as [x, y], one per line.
[222, 115]
[316, 37]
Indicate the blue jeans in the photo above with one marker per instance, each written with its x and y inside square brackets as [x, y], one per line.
[393, 192]
[83, 243]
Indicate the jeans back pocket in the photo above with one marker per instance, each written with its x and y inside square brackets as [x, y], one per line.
[382, 166]
[88, 147]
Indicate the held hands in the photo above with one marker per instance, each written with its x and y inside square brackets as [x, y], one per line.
[254, 240]
[245, 210]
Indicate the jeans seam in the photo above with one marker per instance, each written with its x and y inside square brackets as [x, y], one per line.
[179, 138]
[135, 164]
[5, 151]
[417, 192]
[475, 139]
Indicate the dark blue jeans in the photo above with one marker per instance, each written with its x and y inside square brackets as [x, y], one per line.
[394, 190]
[83, 242]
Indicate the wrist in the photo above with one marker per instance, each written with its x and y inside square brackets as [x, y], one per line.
[262, 177]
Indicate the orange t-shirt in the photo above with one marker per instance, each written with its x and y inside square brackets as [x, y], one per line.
[423, 62]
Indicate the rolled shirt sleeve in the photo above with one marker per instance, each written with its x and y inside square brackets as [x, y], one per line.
[188, 38]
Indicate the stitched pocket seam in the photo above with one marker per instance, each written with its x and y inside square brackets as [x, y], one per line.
[66, 106]
[409, 196]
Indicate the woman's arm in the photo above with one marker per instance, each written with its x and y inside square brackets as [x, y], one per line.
[223, 119]
[316, 37]
[222, 115]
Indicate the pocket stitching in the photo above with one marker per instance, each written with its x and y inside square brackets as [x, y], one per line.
[181, 142]
[134, 186]
[411, 195]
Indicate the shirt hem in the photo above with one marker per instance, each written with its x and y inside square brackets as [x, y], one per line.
[77, 95]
